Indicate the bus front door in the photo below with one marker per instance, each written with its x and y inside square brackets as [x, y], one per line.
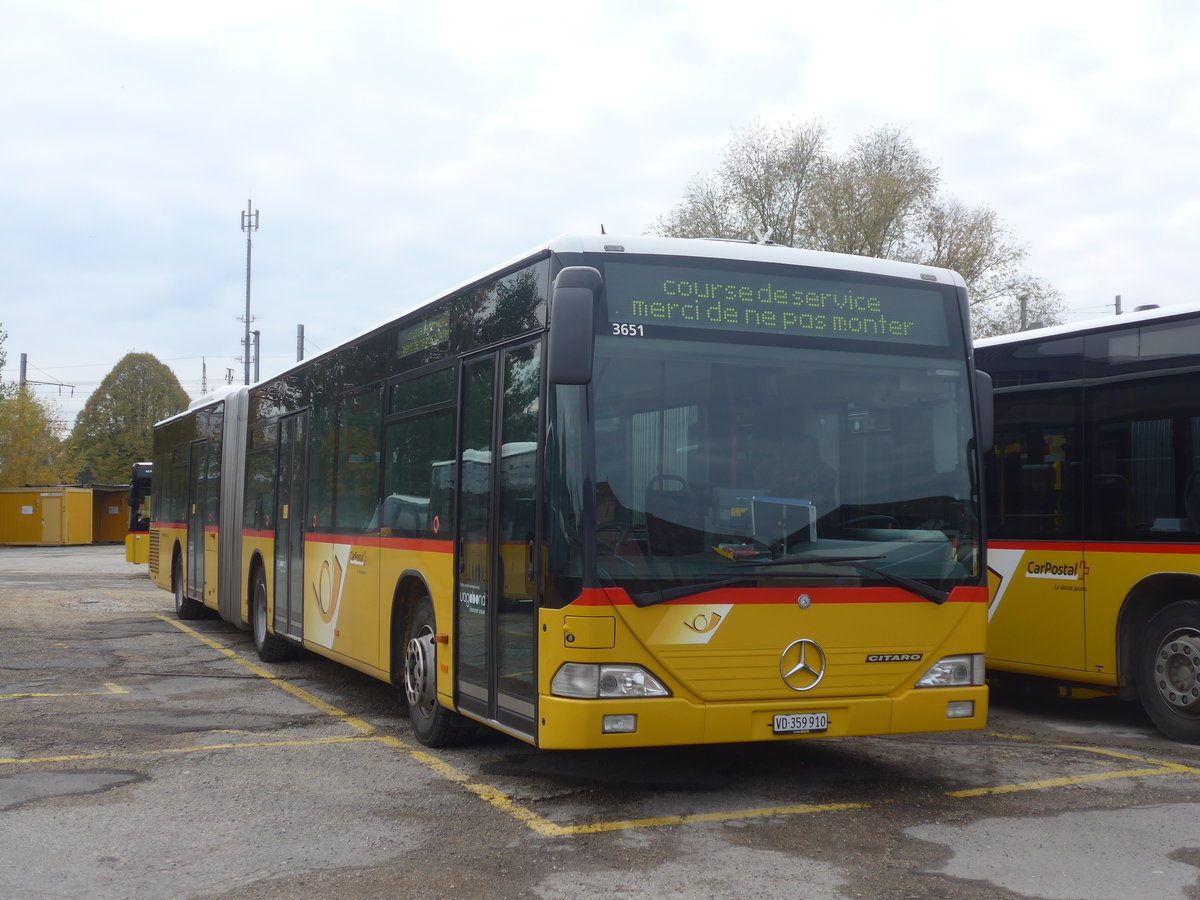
[496, 605]
[289, 526]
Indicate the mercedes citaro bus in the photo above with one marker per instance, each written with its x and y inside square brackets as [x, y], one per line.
[618, 492]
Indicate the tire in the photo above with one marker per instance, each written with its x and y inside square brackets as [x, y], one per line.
[400, 627]
[432, 723]
[1168, 670]
[185, 607]
[270, 646]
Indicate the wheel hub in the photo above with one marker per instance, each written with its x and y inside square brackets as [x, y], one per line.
[1177, 671]
[419, 663]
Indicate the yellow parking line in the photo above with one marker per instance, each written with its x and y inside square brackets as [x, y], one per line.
[110, 688]
[728, 816]
[179, 751]
[299, 693]
[539, 824]
[489, 794]
[1166, 766]
[1152, 767]
[1056, 782]
[545, 827]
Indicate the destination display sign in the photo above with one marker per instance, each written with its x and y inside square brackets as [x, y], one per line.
[644, 294]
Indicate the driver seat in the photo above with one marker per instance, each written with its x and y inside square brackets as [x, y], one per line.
[674, 517]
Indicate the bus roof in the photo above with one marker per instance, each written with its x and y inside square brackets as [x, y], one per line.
[699, 248]
[1157, 314]
[748, 251]
[216, 395]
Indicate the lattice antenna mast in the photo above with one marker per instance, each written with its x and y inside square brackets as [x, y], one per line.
[249, 225]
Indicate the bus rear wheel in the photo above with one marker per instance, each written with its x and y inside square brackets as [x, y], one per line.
[270, 646]
[433, 724]
[185, 607]
[1169, 670]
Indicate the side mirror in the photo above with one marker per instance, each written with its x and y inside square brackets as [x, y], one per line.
[987, 416]
[573, 325]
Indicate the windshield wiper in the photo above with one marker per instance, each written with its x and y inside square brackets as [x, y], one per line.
[650, 598]
[920, 588]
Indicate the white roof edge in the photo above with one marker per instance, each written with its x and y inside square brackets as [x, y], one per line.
[750, 252]
[1130, 318]
[214, 396]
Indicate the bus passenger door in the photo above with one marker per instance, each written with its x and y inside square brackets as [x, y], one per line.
[1035, 545]
[196, 508]
[289, 526]
[496, 605]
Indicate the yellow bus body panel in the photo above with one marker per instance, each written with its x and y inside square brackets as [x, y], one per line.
[721, 662]
[718, 653]
[1054, 607]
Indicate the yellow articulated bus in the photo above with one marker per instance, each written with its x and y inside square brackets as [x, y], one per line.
[619, 492]
[1093, 499]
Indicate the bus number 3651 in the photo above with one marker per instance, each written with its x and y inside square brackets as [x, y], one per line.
[624, 329]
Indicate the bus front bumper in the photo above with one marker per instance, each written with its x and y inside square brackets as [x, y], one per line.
[566, 724]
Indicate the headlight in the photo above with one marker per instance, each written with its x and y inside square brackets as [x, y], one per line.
[954, 671]
[591, 681]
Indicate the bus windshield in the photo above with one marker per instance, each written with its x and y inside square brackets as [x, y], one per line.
[714, 455]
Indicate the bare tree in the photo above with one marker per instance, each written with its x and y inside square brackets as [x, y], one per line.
[761, 187]
[706, 210]
[880, 198]
[973, 242]
[867, 200]
[768, 174]
[1025, 303]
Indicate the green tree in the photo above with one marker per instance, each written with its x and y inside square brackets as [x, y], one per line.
[5, 388]
[879, 198]
[115, 428]
[29, 441]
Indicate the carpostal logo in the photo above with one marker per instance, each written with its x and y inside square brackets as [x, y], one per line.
[1059, 571]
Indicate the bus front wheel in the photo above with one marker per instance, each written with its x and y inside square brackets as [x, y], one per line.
[1169, 670]
[270, 646]
[432, 723]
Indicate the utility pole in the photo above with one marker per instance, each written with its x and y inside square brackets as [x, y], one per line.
[299, 342]
[249, 225]
[26, 380]
[1118, 304]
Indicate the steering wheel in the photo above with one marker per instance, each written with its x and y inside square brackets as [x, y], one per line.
[881, 520]
[657, 482]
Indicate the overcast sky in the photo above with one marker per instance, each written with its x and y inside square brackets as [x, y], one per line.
[395, 149]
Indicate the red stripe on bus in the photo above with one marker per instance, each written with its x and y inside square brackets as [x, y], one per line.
[1093, 547]
[374, 540]
[771, 596]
